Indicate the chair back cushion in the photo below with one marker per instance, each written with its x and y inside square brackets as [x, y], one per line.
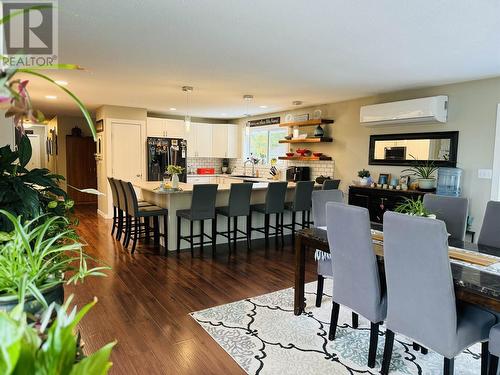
[356, 282]
[420, 293]
[302, 198]
[331, 184]
[490, 230]
[132, 202]
[203, 201]
[239, 199]
[275, 197]
[319, 200]
[114, 192]
[122, 200]
[452, 210]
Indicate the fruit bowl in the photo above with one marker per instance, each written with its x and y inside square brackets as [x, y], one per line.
[303, 152]
[290, 154]
[317, 154]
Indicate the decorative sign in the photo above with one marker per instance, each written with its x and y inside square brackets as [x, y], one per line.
[264, 121]
[99, 126]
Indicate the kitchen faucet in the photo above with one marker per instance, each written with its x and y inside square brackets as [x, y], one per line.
[252, 160]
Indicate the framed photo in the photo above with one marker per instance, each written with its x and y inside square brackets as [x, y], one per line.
[99, 126]
[384, 178]
[404, 180]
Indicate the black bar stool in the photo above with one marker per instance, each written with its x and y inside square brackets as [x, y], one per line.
[331, 184]
[301, 203]
[134, 227]
[202, 208]
[117, 212]
[238, 205]
[275, 204]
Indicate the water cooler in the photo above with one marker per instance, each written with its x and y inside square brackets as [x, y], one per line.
[449, 182]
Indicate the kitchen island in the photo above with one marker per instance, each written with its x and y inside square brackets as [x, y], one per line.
[179, 200]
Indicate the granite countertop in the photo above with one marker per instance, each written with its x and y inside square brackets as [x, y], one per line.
[188, 188]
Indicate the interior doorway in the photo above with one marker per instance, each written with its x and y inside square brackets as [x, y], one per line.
[36, 155]
[81, 168]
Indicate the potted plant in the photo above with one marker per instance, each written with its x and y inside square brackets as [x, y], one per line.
[34, 262]
[414, 207]
[364, 177]
[48, 347]
[174, 171]
[424, 173]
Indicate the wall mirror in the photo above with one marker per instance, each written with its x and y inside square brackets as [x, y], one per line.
[399, 149]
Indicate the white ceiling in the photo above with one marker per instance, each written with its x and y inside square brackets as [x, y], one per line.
[139, 53]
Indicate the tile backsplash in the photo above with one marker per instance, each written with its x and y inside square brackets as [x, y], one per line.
[205, 163]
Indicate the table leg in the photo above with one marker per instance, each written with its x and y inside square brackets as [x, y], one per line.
[300, 270]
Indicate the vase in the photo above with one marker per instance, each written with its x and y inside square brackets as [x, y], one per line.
[175, 181]
[426, 183]
[364, 181]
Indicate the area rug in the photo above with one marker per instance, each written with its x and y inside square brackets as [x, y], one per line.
[264, 337]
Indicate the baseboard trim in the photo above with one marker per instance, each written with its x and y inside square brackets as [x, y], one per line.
[100, 213]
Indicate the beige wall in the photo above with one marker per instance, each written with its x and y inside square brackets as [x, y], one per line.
[472, 111]
[118, 112]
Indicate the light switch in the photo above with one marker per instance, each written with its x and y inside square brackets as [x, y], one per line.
[486, 174]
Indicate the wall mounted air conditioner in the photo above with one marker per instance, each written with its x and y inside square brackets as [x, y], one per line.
[423, 110]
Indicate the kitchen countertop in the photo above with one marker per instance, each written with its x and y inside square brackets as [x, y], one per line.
[188, 188]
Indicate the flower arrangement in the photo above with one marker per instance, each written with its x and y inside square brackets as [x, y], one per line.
[174, 169]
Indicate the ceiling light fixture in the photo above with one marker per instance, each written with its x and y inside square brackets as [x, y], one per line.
[247, 98]
[297, 102]
[50, 97]
[262, 106]
[187, 117]
[173, 109]
[61, 83]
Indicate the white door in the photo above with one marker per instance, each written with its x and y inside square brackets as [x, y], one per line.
[126, 151]
[203, 140]
[156, 127]
[176, 129]
[219, 140]
[36, 157]
[233, 141]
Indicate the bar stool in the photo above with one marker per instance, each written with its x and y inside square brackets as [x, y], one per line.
[202, 208]
[238, 205]
[331, 184]
[122, 207]
[117, 212]
[134, 227]
[275, 204]
[301, 203]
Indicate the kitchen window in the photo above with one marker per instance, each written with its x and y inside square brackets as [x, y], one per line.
[262, 142]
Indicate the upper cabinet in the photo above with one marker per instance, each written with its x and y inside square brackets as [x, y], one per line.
[225, 141]
[165, 128]
[233, 144]
[199, 140]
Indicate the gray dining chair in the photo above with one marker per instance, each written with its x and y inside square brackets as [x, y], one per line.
[301, 203]
[494, 348]
[452, 210]
[319, 200]
[356, 281]
[420, 292]
[331, 184]
[490, 230]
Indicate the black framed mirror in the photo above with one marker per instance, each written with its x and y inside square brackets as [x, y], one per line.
[399, 149]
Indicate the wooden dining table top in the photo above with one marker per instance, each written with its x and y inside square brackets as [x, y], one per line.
[473, 284]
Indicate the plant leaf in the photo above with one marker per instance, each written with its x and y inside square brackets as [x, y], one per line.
[25, 151]
[95, 364]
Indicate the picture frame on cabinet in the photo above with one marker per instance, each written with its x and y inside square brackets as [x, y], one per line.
[384, 178]
[99, 126]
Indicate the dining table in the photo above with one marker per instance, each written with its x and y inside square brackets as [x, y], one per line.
[475, 268]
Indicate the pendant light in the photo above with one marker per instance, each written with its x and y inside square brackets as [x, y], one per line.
[187, 117]
[247, 98]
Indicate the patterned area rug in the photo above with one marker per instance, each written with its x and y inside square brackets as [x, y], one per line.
[264, 337]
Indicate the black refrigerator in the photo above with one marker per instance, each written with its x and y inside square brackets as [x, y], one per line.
[165, 151]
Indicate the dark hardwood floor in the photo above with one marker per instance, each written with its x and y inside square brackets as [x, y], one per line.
[145, 301]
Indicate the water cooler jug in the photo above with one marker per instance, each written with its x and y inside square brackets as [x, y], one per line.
[449, 182]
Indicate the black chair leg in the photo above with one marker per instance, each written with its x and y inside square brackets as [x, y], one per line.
[165, 233]
[333, 321]
[120, 225]
[372, 351]
[389, 344]
[214, 235]
[308, 219]
[277, 228]
[147, 228]
[282, 229]
[448, 367]
[191, 237]
[202, 235]
[266, 228]
[128, 230]
[484, 357]
[178, 234]
[156, 229]
[493, 365]
[115, 221]
[319, 291]
[294, 218]
[249, 230]
[229, 234]
[355, 320]
[136, 233]
[235, 231]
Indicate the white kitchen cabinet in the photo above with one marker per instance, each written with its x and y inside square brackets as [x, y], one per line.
[199, 140]
[175, 128]
[219, 140]
[233, 141]
[156, 127]
[196, 180]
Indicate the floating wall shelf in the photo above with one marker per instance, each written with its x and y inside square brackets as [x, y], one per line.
[307, 140]
[305, 158]
[307, 123]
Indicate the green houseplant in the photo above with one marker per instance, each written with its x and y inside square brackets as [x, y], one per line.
[414, 207]
[364, 177]
[34, 261]
[424, 173]
[50, 347]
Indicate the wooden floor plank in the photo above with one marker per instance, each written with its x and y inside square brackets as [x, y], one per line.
[145, 301]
